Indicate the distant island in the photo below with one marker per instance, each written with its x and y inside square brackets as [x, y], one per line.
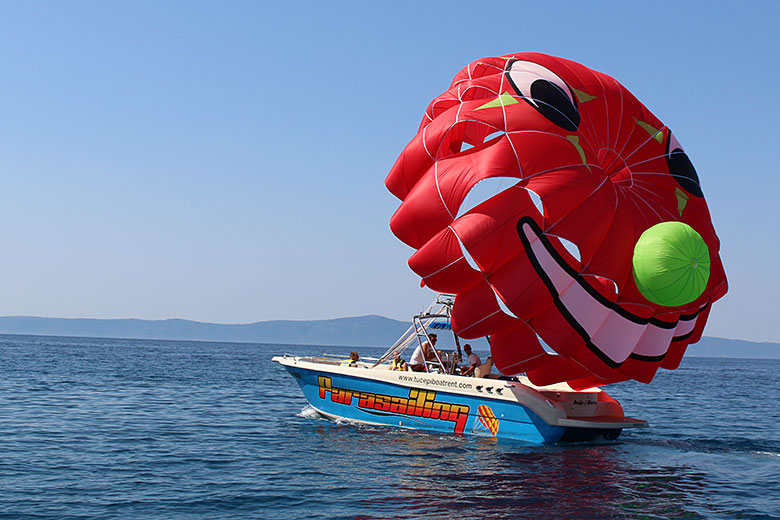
[366, 331]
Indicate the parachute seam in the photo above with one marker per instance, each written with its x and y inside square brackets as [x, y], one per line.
[638, 197]
[645, 161]
[606, 167]
[585, 138]
[591, 140]
[481, 320]
[438, 188]
[517, 157]
[501, 86]
[425, 145]
[526, 360]
[674, 176]
[557, 167]
[642, 206]
[620, 121]
[606, 105]
[445, 267]
[640, 146]
[464, 248]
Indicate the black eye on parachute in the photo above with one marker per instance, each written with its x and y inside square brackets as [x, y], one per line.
[681, 167]
[545, 91]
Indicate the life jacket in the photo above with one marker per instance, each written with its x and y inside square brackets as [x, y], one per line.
[347, 362]
[398, 364]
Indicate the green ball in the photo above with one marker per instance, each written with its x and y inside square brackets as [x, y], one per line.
[671, 264]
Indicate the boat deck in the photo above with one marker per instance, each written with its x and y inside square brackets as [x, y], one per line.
[603, 421]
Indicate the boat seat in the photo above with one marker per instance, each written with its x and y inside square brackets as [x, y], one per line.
[484, 369]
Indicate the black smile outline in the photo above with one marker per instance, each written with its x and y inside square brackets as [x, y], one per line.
[595, 295]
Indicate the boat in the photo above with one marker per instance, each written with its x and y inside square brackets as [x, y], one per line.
[438, 399]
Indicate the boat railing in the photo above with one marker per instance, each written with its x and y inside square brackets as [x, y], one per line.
[332, 359]
[341, 357]
[417, 333]
[422, 332]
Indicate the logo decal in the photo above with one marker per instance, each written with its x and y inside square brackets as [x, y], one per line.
[420, 403]
[487, 419]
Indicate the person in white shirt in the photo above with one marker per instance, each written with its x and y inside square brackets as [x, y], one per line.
[473, 361]
[421, 353]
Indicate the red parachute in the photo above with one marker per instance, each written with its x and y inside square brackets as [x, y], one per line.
[600, 242]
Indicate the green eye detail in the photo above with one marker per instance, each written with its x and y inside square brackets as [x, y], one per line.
[671, 264]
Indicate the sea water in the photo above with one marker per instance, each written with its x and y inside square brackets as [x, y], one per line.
[104, 428]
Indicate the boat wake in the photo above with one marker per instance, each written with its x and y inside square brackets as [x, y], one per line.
[718, 446]
[766, 453]
[308, 412]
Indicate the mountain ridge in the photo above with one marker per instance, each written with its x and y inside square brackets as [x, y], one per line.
[368, 330]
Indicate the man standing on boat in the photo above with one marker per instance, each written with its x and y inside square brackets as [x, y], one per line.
[422, 353]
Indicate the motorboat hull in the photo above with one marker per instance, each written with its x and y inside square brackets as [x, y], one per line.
[455, 404]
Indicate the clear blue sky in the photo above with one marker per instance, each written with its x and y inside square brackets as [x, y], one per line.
[224, 161]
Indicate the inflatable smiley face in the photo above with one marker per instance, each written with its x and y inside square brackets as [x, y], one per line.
[594, 235]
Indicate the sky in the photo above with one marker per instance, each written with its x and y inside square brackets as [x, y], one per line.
[225, 161]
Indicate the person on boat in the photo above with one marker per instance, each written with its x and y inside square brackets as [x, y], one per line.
[422, 353]
[352, 361]
[472, 359]
[398, 363]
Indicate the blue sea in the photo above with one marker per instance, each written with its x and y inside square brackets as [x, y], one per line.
[130, 429]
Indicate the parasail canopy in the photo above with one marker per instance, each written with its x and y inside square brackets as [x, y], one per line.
[555, 205]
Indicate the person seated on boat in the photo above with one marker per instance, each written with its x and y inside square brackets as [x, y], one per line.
[421, 354]
[398, 363]
[473, 361]
[352, 361]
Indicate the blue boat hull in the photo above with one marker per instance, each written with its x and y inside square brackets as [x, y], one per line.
[384, 403]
